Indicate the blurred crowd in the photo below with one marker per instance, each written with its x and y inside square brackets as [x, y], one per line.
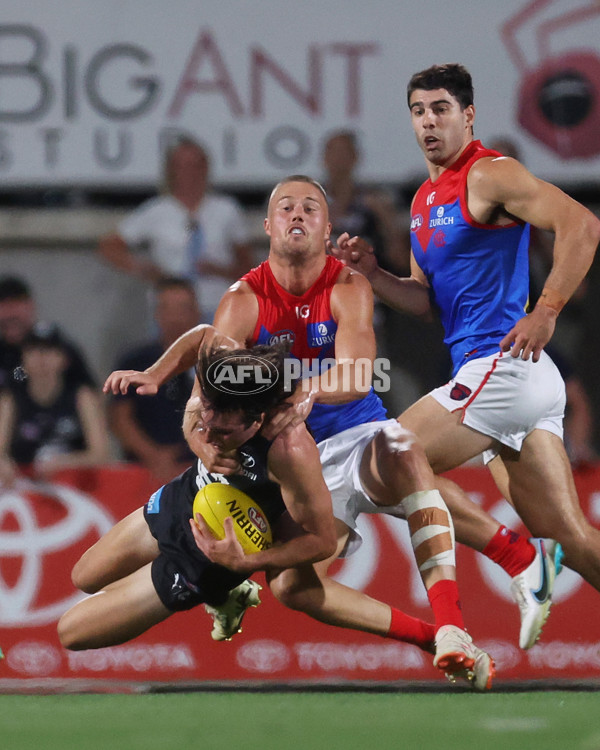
[188, 244]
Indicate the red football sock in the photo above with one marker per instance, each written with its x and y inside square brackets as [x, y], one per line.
[411, 630]
[510, 550]
[443, 597]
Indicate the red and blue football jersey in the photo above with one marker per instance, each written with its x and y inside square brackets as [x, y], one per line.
[478, 273]
[307, 323]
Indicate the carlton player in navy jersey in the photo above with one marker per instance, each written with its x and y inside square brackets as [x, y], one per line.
[470, 229]
[156, 561]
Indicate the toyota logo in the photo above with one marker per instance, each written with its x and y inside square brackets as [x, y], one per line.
[25, 538]
[264, 656]
[34, 658]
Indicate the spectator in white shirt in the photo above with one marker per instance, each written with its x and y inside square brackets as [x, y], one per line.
[186, 231]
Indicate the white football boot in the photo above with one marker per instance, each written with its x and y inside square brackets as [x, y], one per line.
[227, 618]
[459, 658]
[532, 589]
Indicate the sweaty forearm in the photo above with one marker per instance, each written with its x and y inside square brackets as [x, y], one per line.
[405, 294]
[303, 550]
[179, 357]
[573, 256]
[348, 380]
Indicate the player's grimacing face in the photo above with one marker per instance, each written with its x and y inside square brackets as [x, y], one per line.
[442, 128]
[225, 431]
[298, 216]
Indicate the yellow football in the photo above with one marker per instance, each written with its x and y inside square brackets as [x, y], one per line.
[216, 501]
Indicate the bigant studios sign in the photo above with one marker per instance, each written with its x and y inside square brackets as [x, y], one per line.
[90, 92]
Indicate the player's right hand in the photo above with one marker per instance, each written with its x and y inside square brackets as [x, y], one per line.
[356, 253]
[293, 412]
[119, 381]
[227, 552]
[530, 334]
[216, 460]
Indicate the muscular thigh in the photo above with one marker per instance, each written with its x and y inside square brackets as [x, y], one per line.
[125, 548]
[124, 610]
[542, 486]
[446, 441]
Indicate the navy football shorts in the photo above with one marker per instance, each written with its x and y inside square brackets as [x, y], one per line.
[182, 575]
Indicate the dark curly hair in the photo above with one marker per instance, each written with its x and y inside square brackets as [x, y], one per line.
[453, 77]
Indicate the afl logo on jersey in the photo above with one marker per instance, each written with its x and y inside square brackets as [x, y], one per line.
[416, 223]
[281, 337]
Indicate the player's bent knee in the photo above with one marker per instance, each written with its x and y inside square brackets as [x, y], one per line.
[393, 438]
[68, 632]
[289, 590]
[83, 578]
[401, 458]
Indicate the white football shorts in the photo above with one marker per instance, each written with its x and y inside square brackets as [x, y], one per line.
[506, 398]
[340, 458]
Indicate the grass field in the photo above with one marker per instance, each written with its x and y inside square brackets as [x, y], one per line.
[552, 720]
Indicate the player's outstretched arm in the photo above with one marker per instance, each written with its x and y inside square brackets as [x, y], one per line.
[179, 357]
[295, 464]
[406, 294]
[183, 353]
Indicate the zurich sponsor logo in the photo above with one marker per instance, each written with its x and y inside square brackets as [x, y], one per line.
[437, 217]
[416, 223]
[321, 334]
